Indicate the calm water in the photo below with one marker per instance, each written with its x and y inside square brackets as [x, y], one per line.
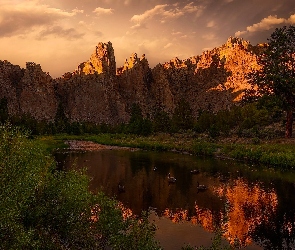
[254, 208]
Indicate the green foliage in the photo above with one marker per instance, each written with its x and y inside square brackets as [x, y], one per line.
[137, 124]
[61, 122]
[182, 118]
[279, 156]
[277, 75]
[250, 116]
[161, 122]
[3, 110]
[204, 148]
[42, 208]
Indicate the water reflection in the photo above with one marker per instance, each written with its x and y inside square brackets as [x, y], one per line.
[247, 207]
[248, 212]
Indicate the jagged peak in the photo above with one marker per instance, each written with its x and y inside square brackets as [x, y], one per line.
[232, 41]
[132, 62]
[102, 60]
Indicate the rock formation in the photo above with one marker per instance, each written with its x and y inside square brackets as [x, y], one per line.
[28, 91]
[133, 82]
[10, 77]
[212, 81]
[98, 92]
[90, 93]
[37, 96]
[102, 61]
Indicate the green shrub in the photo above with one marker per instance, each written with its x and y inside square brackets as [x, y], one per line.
[42, 208]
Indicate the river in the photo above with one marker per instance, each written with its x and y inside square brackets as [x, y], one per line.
[254, 208]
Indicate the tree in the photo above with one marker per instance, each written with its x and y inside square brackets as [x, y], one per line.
[3, 110]
[276, 77]
[137, 124]
[161, 121]
[182, 118]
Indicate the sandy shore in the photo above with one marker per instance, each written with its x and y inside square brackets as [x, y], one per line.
[92, 146]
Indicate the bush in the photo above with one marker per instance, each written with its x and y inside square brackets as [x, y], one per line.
[42, 208]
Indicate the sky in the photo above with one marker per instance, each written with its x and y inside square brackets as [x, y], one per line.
[60, 34]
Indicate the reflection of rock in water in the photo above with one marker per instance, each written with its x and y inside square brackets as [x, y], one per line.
[242, 210]
[248, 208]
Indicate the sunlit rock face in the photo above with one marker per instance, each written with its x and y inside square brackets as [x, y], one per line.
[101, 61]
[212, 81]
[98, 92]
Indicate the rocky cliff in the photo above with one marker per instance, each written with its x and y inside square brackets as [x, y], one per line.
[28, 91]
[98, 92]
[212, 81]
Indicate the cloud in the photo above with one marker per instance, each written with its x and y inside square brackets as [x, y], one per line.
[76, 11]
[211, 24]
[191, 8]
[291, 19]
[102, 11]
[19, 17]
[157, 10]
[59, 31]
[166, 11]
[177, 33]
[168, 45]
[139, 26]
[266, 23]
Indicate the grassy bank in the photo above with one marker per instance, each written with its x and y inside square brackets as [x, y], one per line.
[279, 153]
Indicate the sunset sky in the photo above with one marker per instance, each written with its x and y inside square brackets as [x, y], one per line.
[60, 34]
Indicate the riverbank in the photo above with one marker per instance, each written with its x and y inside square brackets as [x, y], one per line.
[277, 153]
[81, 145]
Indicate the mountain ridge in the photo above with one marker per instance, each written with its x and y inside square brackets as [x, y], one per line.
[99, 92]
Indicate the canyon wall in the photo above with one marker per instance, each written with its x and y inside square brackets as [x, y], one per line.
[98, 92]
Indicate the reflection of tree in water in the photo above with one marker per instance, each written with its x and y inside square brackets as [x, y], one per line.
[249, 208]
[139, 161]
[280, 232]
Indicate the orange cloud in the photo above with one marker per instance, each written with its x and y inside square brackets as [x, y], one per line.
[19, 17]
[102, 11]
[267, 23]
[166, 11]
